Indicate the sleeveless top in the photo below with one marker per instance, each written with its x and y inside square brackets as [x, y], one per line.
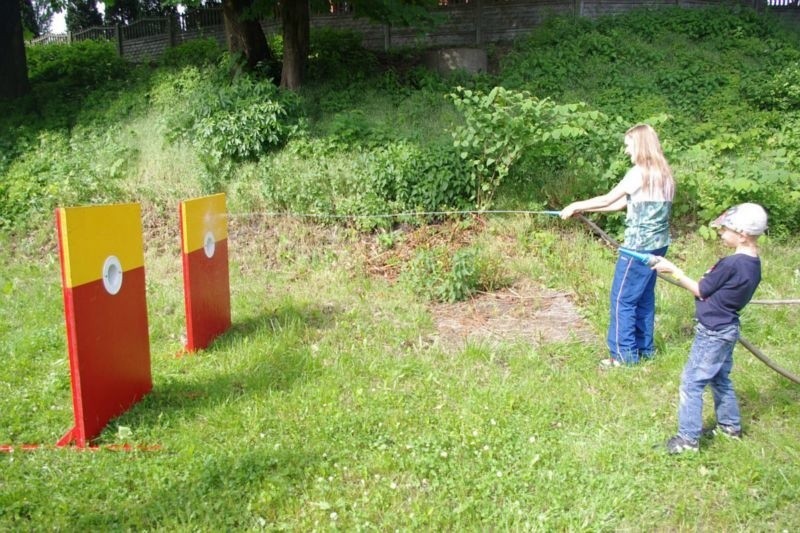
[647, 221]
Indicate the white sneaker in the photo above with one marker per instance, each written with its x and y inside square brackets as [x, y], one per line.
[609, 363]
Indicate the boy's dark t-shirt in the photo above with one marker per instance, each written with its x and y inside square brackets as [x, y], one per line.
[725, 289]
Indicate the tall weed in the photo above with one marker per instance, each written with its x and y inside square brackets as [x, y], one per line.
[80, 167]
[504, 126]
[317, 176]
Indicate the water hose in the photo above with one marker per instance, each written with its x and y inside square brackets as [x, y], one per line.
[744, 342]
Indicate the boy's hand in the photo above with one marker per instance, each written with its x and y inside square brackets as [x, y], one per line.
[665, 266]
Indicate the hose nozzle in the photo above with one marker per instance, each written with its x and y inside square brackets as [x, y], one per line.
[647, 259]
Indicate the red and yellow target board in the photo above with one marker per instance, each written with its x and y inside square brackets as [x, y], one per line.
[102, 272]
[206, 286]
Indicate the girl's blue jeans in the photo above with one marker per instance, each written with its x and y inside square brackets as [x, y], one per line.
[633, 309]
[710, 362]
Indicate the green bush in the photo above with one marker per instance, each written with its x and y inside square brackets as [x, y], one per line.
[354, 128]
[420, 178]
[337, 58]
[686, 63]
[68, 81]
[503, 126]
[229, 120]
[779, 91]
[722, 84]
[317, 176]
[437, 274]
[80, 65]
[198, 52]
[711, 181]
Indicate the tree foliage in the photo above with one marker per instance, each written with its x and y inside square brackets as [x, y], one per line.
[128, 11]
[82, 14]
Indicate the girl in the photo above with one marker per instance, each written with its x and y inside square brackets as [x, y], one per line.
[646, 192]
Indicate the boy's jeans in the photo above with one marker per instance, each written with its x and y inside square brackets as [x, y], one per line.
[710, 362]
[633, 309]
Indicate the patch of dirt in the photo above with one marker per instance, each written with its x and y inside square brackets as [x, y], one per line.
[451, 235]
[523, 312]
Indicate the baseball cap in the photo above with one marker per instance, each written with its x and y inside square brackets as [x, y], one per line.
[750, 219]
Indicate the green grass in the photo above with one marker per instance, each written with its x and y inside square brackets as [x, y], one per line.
[329, 404]
[326, 406]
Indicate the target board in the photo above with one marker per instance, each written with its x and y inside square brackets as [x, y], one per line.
[105, 309]
[206, 286]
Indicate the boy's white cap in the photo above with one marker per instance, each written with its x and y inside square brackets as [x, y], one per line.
[750, 219]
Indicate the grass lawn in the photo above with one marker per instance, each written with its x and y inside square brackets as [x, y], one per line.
[330, 404]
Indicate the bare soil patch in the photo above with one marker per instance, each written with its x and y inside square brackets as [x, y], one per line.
[523, 312]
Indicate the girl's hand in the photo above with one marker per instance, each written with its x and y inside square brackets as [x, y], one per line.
[569, 211]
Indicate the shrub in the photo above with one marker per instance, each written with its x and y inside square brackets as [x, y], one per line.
[198, 52]
[228, 120]
[779, 91]
[420, 178]
[439, 275]
[80, 65]
[337, 57]
[712, 181]
[504, 125]
[317, 176]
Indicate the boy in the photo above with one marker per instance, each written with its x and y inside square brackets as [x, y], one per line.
[720, 295]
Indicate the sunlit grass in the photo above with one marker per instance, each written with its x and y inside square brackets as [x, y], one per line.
[329, 404]
[324, 406]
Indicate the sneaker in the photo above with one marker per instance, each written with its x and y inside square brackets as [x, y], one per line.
[728, 431]
[678, 444]
[609, 363]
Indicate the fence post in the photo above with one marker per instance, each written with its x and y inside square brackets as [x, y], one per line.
[171, 30]
[478, 12]
[69, 37]
[387, 37]
[118, 35]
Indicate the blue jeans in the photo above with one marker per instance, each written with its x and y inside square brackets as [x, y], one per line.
[633, 309]
[710, 362]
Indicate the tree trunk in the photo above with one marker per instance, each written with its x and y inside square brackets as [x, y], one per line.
[245, 36]
[296, 29]
[13, 63]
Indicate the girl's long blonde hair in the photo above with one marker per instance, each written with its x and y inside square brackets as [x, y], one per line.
[647, 154]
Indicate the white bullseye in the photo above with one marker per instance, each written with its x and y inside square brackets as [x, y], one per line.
[112, 275]
[209, 245]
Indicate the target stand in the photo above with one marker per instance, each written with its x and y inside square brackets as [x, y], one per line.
[105, 309]
[206, 285]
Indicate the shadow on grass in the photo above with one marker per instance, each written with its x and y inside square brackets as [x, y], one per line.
[256, 356]
[227, 488]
